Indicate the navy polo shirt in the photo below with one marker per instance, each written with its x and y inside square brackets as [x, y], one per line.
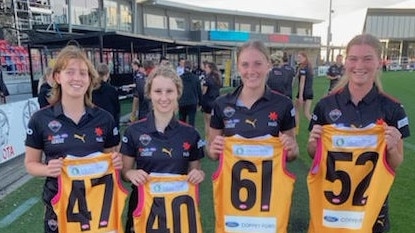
[270, 114]
[168, 152]
[308, 82]
[57, 135]
[333, 71]
[338, 108]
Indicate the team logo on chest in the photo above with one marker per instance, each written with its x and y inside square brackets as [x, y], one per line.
[273, 117]
[55, 126]
[251, 122]
[228, 111]
[145, 139]
[335, 114]
[186, 148]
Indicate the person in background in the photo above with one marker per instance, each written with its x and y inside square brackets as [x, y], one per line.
[180, 68]
[253, 117]
[277, 80]
[358, 101]
[211, 85]
[44, 87]
[191, 96]
[138, 74]
[164, 61]
[72, 125]
[305, 89]
[140, 103]
[160, 143]
[104, 95]
[289, 73]
[335, 72]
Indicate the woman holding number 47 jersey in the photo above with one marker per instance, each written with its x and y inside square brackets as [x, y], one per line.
[356, 141]
[73, 127]
[252, 133]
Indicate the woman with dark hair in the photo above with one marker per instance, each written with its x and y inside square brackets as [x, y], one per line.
[211, 85]
[305, 88]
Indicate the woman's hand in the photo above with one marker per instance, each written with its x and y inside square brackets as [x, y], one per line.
[54, 167]
[137, 177]
[290, 145]
[313, 137]
[196, 176]
[116, 160]
[216, 147]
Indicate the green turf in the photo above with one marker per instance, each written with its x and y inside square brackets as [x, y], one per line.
[402, 204]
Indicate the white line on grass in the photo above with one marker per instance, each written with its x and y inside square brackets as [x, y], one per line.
[18, 212]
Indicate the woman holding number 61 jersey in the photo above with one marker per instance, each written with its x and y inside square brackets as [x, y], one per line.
[252, 133]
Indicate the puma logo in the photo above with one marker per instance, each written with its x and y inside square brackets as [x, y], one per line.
[82, 138]
[252, 123]
[168, 152]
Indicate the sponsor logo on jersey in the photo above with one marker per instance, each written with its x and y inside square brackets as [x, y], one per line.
[91, 169]
[80, 137]
[253, 150]
[57, 139]
[186, 148]
[99, 132]
[273, 117]
[146, 152]
[230, 124]
[251, 122]
[168, 152]
[165, 187]
[343, 219]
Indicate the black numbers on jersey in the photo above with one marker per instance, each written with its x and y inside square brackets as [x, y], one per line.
[78, 196]
[158, 215]
[343, 177]
[249, 187]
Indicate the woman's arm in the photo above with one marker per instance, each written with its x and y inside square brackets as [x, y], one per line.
[35, 167]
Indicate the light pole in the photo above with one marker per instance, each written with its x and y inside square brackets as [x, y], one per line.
[329, 33]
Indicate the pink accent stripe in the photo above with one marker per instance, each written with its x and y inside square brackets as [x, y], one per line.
[219, 169]
[317, 158]
[57, 197]
[284, 165]
[138, 211]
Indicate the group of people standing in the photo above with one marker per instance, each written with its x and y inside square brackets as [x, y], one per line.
[356, 142]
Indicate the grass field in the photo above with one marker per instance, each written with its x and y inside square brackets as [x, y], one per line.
[402, 202]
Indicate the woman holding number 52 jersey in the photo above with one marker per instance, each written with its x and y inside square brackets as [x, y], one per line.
[342, 187]
[252, 130]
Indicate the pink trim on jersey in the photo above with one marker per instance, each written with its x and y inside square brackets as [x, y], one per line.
[141, 202]
[315, 167]
[284, 165]
[386, 164]
[119, 182]
[58, 195]
[218, 171]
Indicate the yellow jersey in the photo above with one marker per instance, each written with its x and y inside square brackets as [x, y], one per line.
[349, 179]
[167, 203]
[252, 187]
[90, 195]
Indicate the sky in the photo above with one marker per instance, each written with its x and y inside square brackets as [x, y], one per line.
[347, 18]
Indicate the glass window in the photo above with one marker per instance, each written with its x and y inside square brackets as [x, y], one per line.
[267, 29]
[257, 27]
[285, 30]
[85, 12]
[177, 23]
[245, 27]
[223, 26]
[197, 25]
[111, 13]
[155, 21]
[126, 17]
[302, 31]
[210, 25]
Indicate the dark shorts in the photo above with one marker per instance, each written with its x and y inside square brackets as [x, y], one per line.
[50, 220]
[308, 95]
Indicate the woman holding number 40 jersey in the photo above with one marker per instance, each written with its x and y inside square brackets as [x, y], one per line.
[252, 132]
[161, 143]
[354, 157]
